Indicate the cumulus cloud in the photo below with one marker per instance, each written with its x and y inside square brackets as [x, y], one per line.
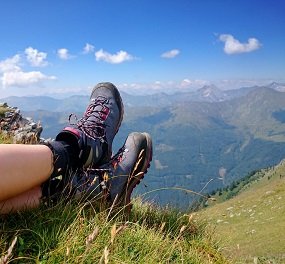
[63, 54]
[234, 46]
[21, 79]
[10, 64]
[35, 57]
[120, 57]
[170, 54]
[88, 48]
[12, 74]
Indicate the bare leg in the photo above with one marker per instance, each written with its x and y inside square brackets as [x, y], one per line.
[23, 167]
[26, 200]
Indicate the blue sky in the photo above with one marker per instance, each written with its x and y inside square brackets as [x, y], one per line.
[67, 46]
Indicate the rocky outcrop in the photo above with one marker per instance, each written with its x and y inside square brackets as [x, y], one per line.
[21, 129]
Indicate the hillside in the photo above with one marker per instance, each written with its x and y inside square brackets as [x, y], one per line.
[252, 224]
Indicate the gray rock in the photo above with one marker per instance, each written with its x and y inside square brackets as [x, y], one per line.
[21, 129]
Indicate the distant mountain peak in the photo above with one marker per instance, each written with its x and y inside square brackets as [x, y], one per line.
[211, 93]
[277, 86]
[274, 84]
[210, 87]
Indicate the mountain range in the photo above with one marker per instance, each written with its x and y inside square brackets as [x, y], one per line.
[203, 140]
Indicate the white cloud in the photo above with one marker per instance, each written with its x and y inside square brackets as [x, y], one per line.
[233, 46]
[187, 83]
[63, 54]
[10, 64]
[36, 58]
[119, 57]
[21, 79]
[170, 54]
[88, 48]
[14, 75]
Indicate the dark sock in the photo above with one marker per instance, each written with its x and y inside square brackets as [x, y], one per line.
[65, 161]
[64, 157]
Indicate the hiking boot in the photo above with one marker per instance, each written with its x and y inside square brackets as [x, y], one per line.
[114, 181]
[93, 134]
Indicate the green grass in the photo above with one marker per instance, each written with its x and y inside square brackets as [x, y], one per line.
[252, 224]
[4, 139]
[76, 233]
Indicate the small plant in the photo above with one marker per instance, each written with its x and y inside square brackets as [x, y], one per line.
[3, 110]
